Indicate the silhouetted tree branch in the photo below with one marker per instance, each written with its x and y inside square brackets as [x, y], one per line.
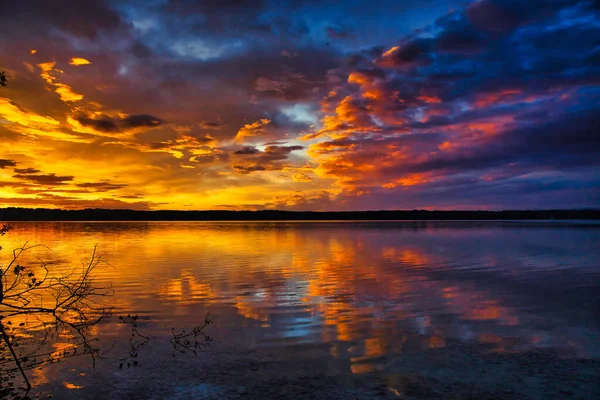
[136, 341]
[191, 341]
[41, 306]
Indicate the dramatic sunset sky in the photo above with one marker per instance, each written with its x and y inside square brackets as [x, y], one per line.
[301, 105]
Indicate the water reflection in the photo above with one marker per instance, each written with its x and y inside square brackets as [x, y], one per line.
[368, 290]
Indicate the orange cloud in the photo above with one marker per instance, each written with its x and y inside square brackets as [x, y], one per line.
[503, 96]
[255, 129]
[301, 177]
[409, 180]
[30, 124]
[65, 92]
[79, 61]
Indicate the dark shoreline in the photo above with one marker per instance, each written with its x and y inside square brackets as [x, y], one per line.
[43, 214]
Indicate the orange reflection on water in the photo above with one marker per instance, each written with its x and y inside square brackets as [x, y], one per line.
[436, 342]
[410, 256]
[185, 288]
[331, 285]
[476, 305]
[72, 386]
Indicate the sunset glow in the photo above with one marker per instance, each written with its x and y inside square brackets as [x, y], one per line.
[291, 105]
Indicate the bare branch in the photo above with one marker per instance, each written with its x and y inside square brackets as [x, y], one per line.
[191, 341]
[47, 305]
[41, 307]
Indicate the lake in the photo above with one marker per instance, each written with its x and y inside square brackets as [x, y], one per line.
[408, 309]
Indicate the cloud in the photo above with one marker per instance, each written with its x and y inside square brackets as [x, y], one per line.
[273, 158]
[67, 202]
[407, 54]
[248, 150]
[209, 102]
[305, 201]
[140, 120]
[107, 124]
[65, 91]
[45, 179]
[41, 17]
[28, 171]
[273, 149]
[26, 123]
[7, 163]
[507, 15]
[292, 87]
[212, 125]
[456, 108]
[102, 123]
[302, 177]
[77, 61]
[102, 186]
[253, 130]
[12, 112]
[184, 146]
[248, 169]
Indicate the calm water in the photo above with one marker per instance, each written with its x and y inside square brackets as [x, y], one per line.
[363, 290]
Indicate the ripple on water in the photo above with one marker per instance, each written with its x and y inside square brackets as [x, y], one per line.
[367, 291]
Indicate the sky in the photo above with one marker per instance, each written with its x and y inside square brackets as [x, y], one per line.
[300, 105]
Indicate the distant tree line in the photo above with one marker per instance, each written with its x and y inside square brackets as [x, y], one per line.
[43, 214]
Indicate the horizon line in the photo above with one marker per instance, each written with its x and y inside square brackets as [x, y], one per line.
[100, 214]
[307, 211]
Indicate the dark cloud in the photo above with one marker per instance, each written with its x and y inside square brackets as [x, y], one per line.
[413, 51]
[16, 184]
[282, 149]
[7, 163]
[246, 170]
[85, 19]
[371, 73]
[570, 139]
[506, 15]
[102, 124]
[102, 186]
[45, 179]
[140, 50]
[462, 39]
[493, 93]
[291, 87]
[212, 125]
[111, 125]
[354, 60]
[140, 120]
[26, 170]
[273, 158]
[248, 150]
